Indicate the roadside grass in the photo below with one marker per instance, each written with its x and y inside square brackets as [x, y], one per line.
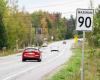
[70, 69]
[7, 52]
[92, 64]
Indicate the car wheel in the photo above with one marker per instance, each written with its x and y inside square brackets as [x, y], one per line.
[39, 60]
[57, 50]
[51, 50]
[23, 60]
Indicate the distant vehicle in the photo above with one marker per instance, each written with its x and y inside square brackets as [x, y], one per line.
[54, 48]
[44, 45]
[64, 42]
[31, 53]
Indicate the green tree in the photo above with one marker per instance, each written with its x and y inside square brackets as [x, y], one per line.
[70, 27]
[94, 37]
[3, 37]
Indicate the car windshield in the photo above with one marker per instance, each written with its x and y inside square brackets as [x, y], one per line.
[30, 49]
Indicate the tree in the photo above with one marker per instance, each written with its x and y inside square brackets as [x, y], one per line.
[70, 27]
[3, 37]
[93, 38]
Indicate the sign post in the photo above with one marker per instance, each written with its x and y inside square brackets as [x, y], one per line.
[84, 22]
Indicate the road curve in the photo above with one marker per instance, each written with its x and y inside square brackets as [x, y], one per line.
[12, 68]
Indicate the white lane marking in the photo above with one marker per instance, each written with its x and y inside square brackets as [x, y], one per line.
[26, 70]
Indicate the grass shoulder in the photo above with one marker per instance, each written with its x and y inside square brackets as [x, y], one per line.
[70, 69]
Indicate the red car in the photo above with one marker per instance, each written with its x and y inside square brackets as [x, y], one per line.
[31, 54]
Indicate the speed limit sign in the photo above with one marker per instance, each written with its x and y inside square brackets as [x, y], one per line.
[84, 21]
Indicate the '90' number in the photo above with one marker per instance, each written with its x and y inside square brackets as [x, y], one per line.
[87, 21]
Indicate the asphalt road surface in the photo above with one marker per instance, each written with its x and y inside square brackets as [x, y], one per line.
[12, 68]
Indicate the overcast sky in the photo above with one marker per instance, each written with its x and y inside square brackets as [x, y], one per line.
[66, 7]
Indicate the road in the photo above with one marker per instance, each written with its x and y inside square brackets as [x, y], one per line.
[12, 68]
